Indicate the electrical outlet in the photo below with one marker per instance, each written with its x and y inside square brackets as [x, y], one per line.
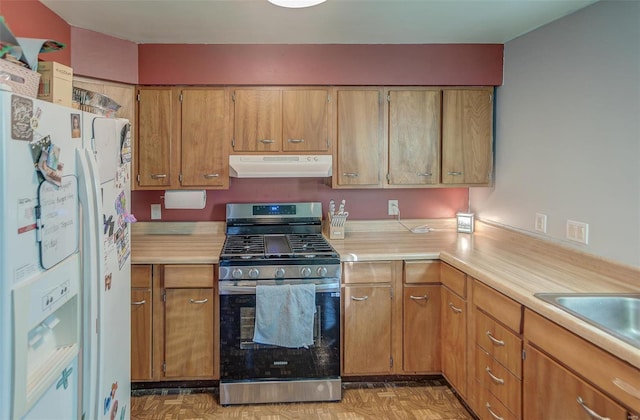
[156, 211]
[578, 231]
[541, 222]
[393, 207]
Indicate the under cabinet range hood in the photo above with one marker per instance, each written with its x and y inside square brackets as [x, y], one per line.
[280, 166]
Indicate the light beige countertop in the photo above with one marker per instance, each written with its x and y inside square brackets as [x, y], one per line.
[516, 264]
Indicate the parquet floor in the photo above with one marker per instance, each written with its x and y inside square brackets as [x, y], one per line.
[361, 401]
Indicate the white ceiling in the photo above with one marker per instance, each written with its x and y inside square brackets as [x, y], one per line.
[333, 22]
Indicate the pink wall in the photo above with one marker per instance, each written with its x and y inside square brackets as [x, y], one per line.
[361, 204]
[335, 64]
[103, 56]
[31, 19]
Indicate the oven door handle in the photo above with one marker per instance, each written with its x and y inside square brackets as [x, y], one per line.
[227, 289]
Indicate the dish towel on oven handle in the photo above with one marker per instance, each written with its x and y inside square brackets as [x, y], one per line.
[285, 314]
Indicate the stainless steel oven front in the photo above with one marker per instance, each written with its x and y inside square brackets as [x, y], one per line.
[259, 373]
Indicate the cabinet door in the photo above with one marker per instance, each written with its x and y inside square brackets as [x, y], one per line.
[467, 136]
[155, 129]
[360, 153]
[305, 120]
[454, 340]
[189, 333]
[367, 330]
[421, 329]
[204, 136]
[257, 120]
[414, 137]
[141, 310]
[552, 392]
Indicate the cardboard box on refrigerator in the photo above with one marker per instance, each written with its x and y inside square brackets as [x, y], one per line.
[56, 83]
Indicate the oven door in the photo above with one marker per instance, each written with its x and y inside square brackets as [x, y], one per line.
[241, 359]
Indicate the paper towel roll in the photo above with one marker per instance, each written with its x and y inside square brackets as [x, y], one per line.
[183, 199]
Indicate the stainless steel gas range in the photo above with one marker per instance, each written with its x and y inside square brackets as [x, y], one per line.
[279, 283]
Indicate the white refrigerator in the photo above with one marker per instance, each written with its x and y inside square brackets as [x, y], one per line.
[64, 262]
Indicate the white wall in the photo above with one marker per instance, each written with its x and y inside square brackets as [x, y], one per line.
[568, 130]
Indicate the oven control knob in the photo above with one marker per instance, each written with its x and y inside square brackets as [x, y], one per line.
[254, 273]
[279, 273]
[305, 271]
[321, 271]
[236, 273]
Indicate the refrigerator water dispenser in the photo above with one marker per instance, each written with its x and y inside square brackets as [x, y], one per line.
[46, 335]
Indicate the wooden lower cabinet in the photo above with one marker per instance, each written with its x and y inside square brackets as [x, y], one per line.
[421, 329]
[552, 392]
[174, 332]
[141, 315]
[367, 330]
[454, 340]
[188, 334]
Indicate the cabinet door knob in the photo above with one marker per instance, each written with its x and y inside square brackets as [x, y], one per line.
[140, 302]
[266, 141]
[296, 140]
[208, 176]
[198, 302]
[454, 309]
[359, 298]
[425, 297]
[158, 176]
[589, 411]
[494, 340]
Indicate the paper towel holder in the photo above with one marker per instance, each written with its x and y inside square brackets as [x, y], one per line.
[185, 199]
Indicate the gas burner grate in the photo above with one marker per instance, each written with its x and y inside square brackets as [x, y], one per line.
[243, 245]
[308, 244]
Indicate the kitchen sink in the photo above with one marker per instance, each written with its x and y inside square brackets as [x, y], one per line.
[616, 314]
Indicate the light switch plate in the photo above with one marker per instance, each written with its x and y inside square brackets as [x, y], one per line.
[541, 223]
[578, 231]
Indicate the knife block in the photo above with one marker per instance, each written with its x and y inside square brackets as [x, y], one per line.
[334, 226]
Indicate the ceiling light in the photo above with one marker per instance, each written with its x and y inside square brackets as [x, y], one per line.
[296, 4]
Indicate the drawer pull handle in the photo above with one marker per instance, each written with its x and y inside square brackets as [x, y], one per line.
[296, 140]
[425, 297]
[140, 302]
[207, 176]
[199, 302]
[494, 340]
[589, 411]
[454, 173]
[494, 377]
[266, 141]
[359, 299]
[454, 309]
[158, 176]
[351, 174]
[628, 388]
[494, 415]
[426, 174]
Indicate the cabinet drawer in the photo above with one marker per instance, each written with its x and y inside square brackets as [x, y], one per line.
[421, 272]
[502, 344]
[454, 279]
[141, 276]
[368, 272]
[508, 311]
[187, 276]
[612, 375]
[488, 406]
[498, 380]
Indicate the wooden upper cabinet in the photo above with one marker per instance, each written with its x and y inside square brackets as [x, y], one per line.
[467, 136]
[204, 133]
[305, 120]
[414, 136]
[257, 120]
[359, 138]
[155, 135]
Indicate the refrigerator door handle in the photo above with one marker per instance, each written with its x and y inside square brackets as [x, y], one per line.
[91, 205]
